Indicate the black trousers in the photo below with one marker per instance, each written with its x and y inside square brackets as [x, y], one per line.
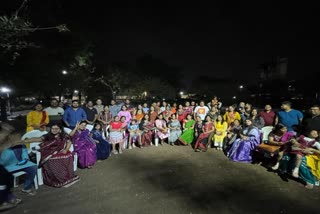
[6, 183]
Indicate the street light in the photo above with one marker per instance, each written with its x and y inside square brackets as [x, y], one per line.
[6, 91]
[181, 92]
[241, 86]
[64, 72]
[234, 97]
[76, 91]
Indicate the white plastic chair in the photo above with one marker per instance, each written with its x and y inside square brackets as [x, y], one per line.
[75, 155]
[18, 174]
[265, 132]
[33, 147]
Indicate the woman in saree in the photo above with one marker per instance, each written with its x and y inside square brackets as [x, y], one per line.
[220, 133]
[202, 140]
[309, 168]
[56, 159]
[249, 139]
[163, 131]
[84, 145]
[175, 129]
[187, 136]
[147, 128]
[181, 113]
[103, 146]
[153, 114]
[139, 115]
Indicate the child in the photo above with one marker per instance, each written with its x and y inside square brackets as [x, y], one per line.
[145, 108]
[134, 133]
[103, 146]
[300, 145]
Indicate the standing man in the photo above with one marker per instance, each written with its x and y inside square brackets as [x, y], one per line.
[201, 111]
[312, 122]
[268, 115]
[55, 112]
[288, 116]
[92, 114]
[74, 114]
[114, 109]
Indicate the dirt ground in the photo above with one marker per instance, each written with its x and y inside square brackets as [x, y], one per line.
[168, 179]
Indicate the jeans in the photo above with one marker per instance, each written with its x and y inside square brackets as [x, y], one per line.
[31, 173]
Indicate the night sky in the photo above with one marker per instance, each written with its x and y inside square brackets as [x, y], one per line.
[218, 40]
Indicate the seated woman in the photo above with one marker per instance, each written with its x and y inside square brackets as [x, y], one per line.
[37, 119]
[163, 131]
[257, 121]
[221, 131]
[202, 140]
[103, 146]
[309, 166]
[280, 137]
[147, 129]
[175, 129]
[181, 113]
[187, 136]
[7, 199]
[242, 147]
[84, 145]
[116, 134]
[139, 115]
[233, 132]
[56, 159]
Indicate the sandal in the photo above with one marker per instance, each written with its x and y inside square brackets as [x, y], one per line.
[29, 191]
[309, 186]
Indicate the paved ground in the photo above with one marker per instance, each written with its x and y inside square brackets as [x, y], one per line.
[175, 179]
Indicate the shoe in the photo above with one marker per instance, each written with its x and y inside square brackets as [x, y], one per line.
[29, 191]
[309, 186]
[295, 173]
[120, 152]
[6, 206]
[115, 152]
[275, 167]
[130, 147]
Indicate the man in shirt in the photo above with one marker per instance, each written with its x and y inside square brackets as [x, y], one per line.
[313, 121]
[201, 111]
[268, 115]
[74, 114]
[54, 111]
[92, 114]
[114, 109]
[288, 116]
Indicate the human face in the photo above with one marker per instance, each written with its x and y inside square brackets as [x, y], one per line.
[208, 118]
[268, 108]
[164, 104]
[173, 117]
[189, 117]
[219, 118]
[146, 117]
[145, 105]
[113, 102]
[122, 119]
[133, 122]
[124, 108]
[201, 103]
[90, 104]
[75, 104]
[236, 122]
[54, 103]
[99, 102]
[242, 104]
[151, 108]
[106, 108]
[55, 130]
[180, 107]
[38, 107]
[139, 106]
[285, 107]
[254, 112]
[127, 102]
[315, 111]
[116, 118]
[187, 104]
[284, 130]
[160, 116]
[139, 111]
[199, 119]
[82, 126]
[231, 108]
[98, 127]
[193, 103]
[314, 134]
[248, 122]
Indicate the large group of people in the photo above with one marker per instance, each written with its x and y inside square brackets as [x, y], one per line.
[237, 130]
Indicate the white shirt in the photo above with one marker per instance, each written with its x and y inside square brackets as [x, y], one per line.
[201, 111]
[54, 111]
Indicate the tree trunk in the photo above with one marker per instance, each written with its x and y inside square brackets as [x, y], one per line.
[3, 104]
